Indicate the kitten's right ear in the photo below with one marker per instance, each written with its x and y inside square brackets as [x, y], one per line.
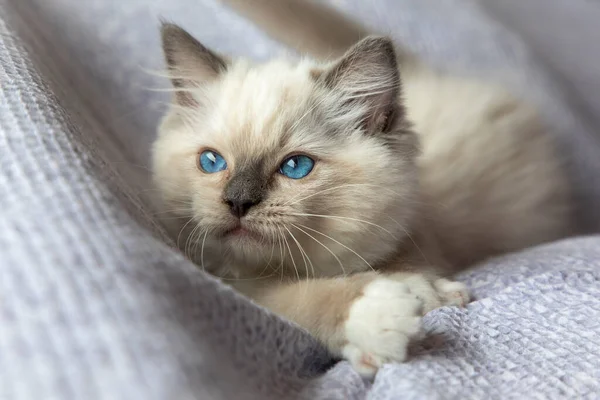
[190, 63]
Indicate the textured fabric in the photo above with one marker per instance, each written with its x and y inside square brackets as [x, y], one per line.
[96, 304]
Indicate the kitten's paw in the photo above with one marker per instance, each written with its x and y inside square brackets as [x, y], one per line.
[380, 325]
[452, 293]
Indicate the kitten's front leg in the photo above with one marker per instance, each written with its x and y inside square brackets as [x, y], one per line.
[367, 318]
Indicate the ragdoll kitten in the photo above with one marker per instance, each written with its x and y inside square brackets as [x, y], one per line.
[340, 193]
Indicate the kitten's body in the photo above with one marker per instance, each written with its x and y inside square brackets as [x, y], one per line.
[487, 180]
[486, 159]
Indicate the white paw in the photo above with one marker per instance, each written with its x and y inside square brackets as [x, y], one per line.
[452, 293]
[380, 325]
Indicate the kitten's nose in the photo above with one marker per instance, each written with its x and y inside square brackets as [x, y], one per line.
[245, 189]
[240, 207]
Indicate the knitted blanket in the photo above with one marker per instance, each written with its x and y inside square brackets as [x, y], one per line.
[95, 303]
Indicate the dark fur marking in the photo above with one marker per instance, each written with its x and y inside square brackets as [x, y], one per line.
[246, 187]
[182, 53]
[376, 54]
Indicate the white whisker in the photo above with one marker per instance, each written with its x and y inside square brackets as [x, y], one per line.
[187, 248]
[181, 231]
[303, 253]
[291, 256]
[344, 218]
[340, 243]
[289, 203]
[411, 239]
[257, 278]
[322, 244]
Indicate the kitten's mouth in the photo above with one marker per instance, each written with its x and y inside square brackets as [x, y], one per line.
[241, 232]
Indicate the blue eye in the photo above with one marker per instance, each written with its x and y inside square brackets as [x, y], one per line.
[296, 167]
[211, 162]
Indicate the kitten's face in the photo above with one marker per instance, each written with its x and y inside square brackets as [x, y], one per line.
[278, 168]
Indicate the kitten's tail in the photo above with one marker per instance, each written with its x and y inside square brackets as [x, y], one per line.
[305, 25]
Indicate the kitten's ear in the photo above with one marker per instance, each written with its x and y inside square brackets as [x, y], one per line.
[367, 76]
[190, 63]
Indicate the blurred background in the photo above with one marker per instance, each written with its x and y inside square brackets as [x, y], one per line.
[546, 49]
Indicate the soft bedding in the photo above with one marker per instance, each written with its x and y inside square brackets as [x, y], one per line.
[95, 303]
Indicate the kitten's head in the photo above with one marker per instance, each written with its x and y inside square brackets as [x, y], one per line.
[288, 164]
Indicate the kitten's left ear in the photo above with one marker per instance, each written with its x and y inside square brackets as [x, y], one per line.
[367, 76]
[190, 63]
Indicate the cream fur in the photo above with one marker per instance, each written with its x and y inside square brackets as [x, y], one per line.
[475, 176]
[248, 112]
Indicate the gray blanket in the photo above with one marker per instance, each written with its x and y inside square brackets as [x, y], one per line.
[96, 304]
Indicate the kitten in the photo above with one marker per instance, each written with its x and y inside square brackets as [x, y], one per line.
[339, 193]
